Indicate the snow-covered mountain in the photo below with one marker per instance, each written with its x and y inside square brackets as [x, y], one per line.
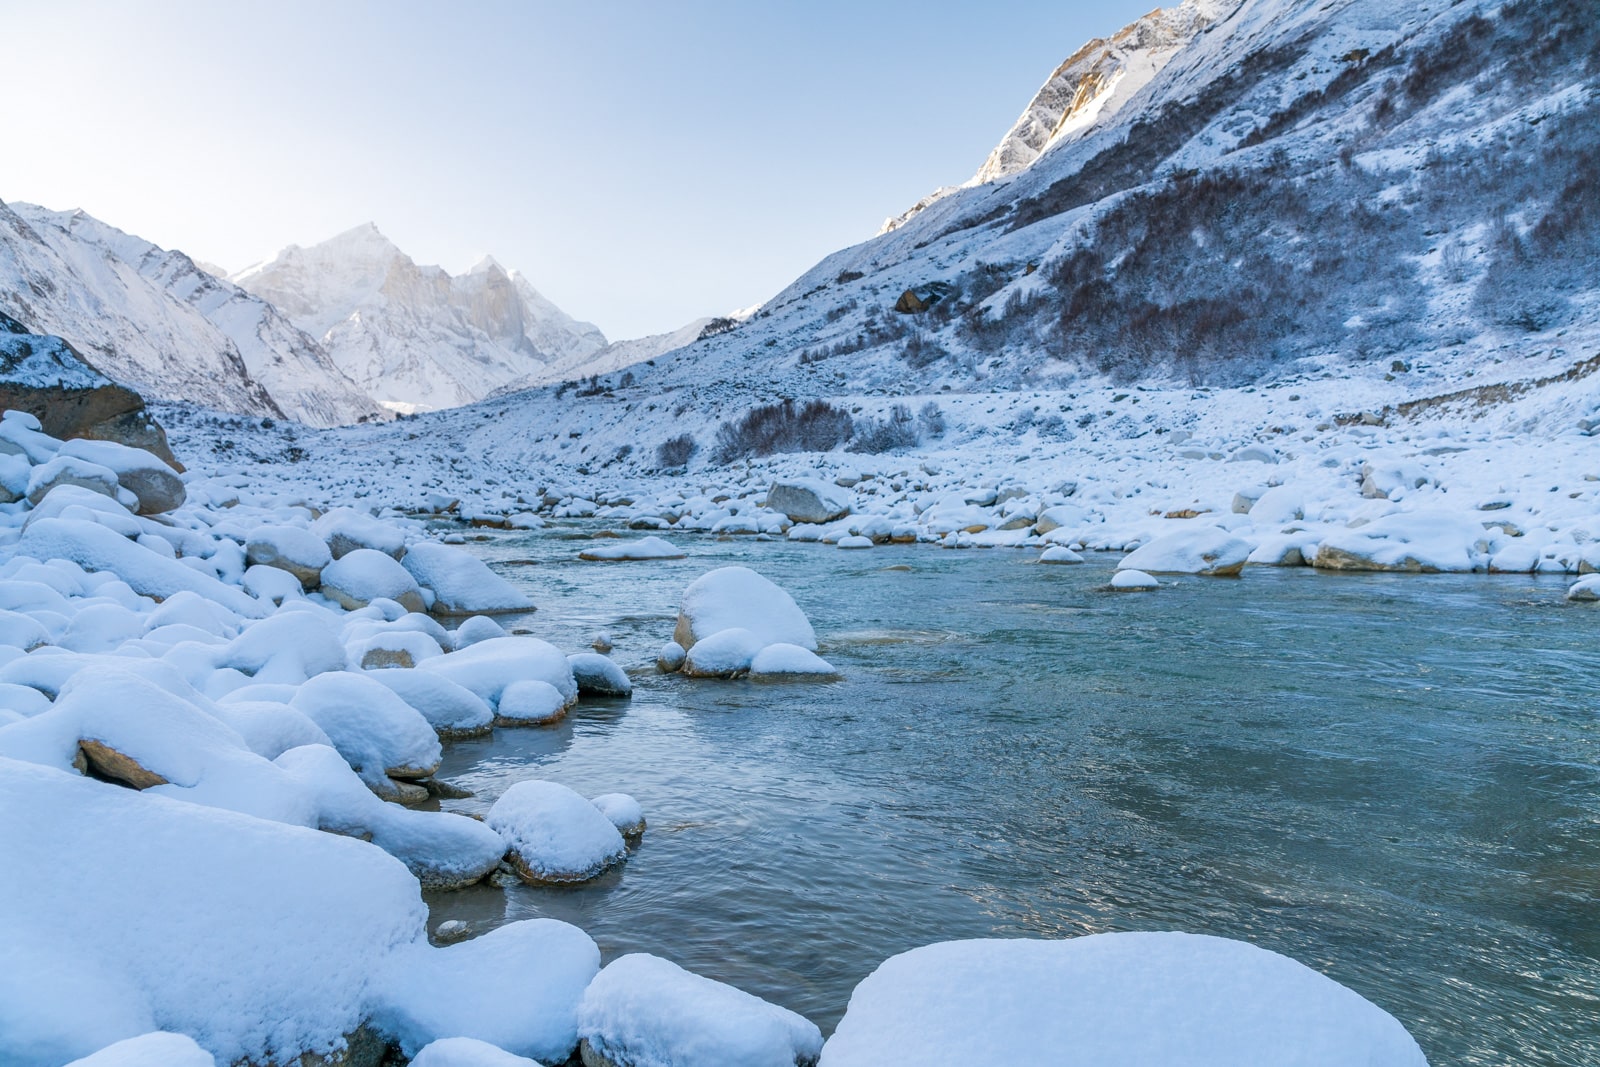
[153, 320]
[412, 336]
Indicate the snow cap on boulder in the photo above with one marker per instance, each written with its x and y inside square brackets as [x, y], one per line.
[461, 583]
[808, 500]
[739, 598]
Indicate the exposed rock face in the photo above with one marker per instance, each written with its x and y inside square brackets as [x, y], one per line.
[106, 762]
[808, 500]
[46, 377]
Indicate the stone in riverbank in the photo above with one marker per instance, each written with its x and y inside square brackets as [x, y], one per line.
[808, 500]
[553, 835]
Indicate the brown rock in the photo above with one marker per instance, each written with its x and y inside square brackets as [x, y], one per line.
[103, 761]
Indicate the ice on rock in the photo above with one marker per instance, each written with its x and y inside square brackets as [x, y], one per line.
[724, 654]
[517, 987]
[487, 667]
[346, 530]
[530, 703]
[599, 675]
[782, 662]
[1196, 550]
[1132, 999]
[1059, 554]
[289, 548]
[478, 628]
[461, 583]
[468, 1052]
[1133, 581]
[374, 730]
[443, 850]
[148, 477]
[643, 549]
[623, 811]
[738, 597]
[453, 711]
[96, 548]
[157, 1049]
[553, 835]
[642, 1009]
[163, 939]
[363, 575]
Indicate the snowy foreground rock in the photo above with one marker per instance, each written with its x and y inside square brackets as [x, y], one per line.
[1131, 999]
[732, 617]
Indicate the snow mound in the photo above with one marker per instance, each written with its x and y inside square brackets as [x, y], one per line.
[163, 939]
[158, 1049]
[461, 583]
[363, 575]
[468, 1052]
[487, 667]
[452, 710]
[1133, 581]
[1419, 541]
[623, 811]
[530, 703]
[1132, 999]
[855, 541]
[644, 548]
[376, 731]
[1197, 550]
[477, 628]
[553, 835]
[1059, 554]
[725, 654]
[738, 597]
[517, 987]
[645, 1010]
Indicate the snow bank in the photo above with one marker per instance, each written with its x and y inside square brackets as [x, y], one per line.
[517, 987]
[642, 549]
[642, 1009]
[1195, 550]
[553, 835]
[1132, 999]
[461, 583]
[738, 597]
[254, 938]
[1425, 541]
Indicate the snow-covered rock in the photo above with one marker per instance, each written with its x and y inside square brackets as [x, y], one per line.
[808, 500]
[623, 811]
[158, 1049]
[738, 597]
[376, 731]
[144, 474]
[725, 654]
[529, 702]
[454, 711]
[671, 657]
[644, 1010]
[461, 583]
[346, 529]
[362, 575]
[488, 667]
[553, 835]
[1133, 581]
[478, 628]
[1193, 550]
[1587, 588]
[289, 548]
[599, 675]
[780, 662]
[1136, 999]
[642, 549]
[1059, 554]
[468, 1052]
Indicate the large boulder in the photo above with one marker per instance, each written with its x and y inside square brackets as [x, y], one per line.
[808, 500]
[1165, 999]
[289, 548]
[461, 583]
[739, 598]
[1197, 550]
[361, 575]
[553, 835]
[142, 473]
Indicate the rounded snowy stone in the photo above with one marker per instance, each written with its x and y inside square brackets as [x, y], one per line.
[461, 583]
[530, 703]
[468, 1052]
[670, 659]
[290, 548]
[487, 667]
[146, 475]
[1132, 999]
[643, 549]
[453, 711]
[855, 541]
[553, 835]
[1133, 581]
[724, 654]
[1198, 550]
[158, 1049]
[1060, 554]
[642, 1009]
[782, 662]
[623, 811]
[738, 597]
[477, 628]
[373, 729]
[1587, 588]
[363, 575]
[599, 675]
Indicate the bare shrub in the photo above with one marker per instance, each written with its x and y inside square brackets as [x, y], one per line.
[815, 426]
[676, 451]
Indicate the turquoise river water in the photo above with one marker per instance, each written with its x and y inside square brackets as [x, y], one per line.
[1393, 779]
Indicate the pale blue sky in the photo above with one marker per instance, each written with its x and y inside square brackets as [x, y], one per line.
[643, 164]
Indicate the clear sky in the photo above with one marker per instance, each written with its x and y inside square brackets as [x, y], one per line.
[642, 163]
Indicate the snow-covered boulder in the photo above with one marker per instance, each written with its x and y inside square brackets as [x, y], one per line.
[1419, 541]
[144, 474]
[529, 702]
[671, 657]
[376, 732]
[468, 1052]
[553, 835]
[738, 597]
[70, 470]
[855, 541]
[461, 583]
[1586, 588]
[345, 530]
[1195, 550]
[454, 711]
[1133, 581]
[287, 648]
[158, 1049]
[642, 1009]
[642, 549]
[517, 987]
[289, 548]
[1132, 999]
[477, 628]
[783, 662]
[389, 649]
[599, 675]
[624, 812]
[725, 654]
[256, 938]
[269, 728]
[487, 667]
[808, 500]
[1059, 554]
[363, 575]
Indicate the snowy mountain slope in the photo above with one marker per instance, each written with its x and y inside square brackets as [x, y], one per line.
[1087, 89]
[414, 336]
[153, 320]
[618, 355]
